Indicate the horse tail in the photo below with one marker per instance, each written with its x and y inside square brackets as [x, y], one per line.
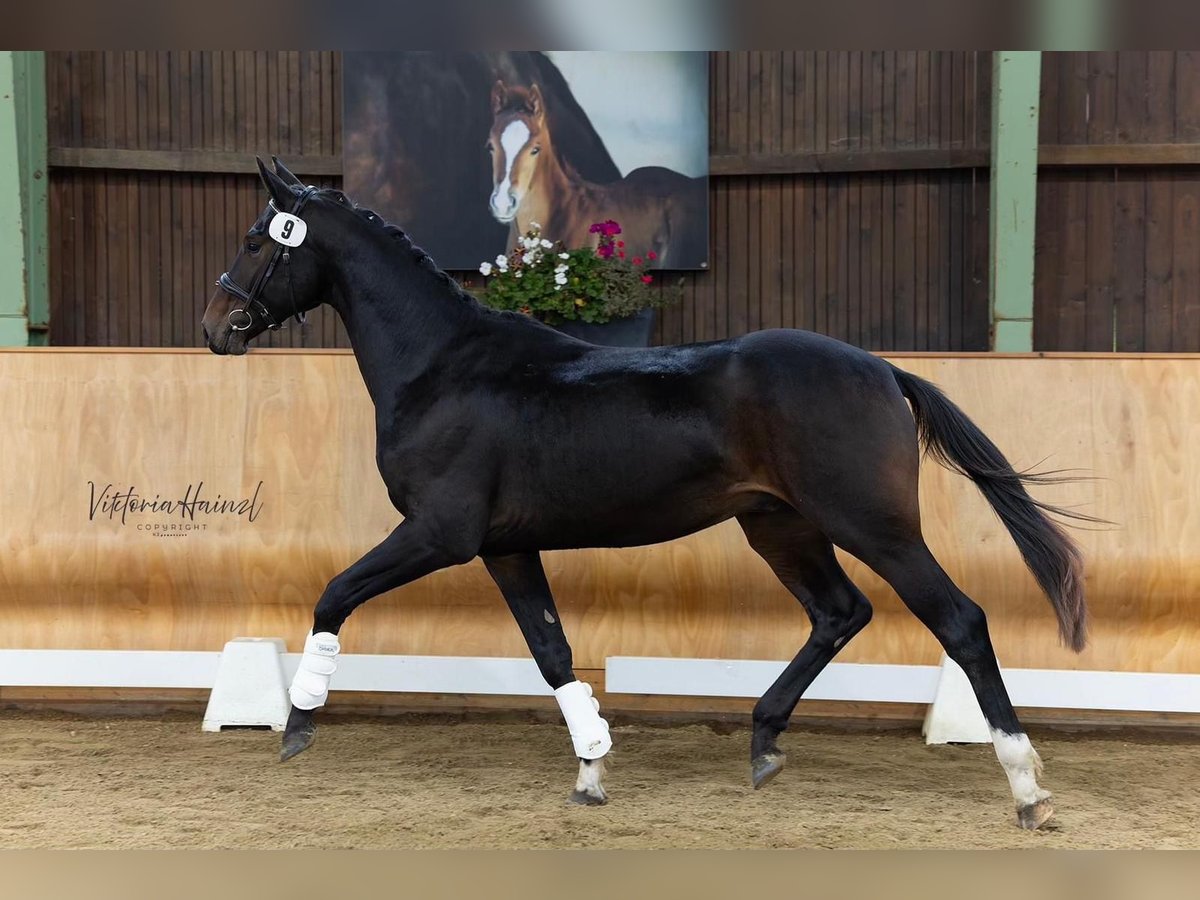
[952, 439]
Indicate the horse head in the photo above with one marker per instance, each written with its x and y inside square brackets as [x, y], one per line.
[277, 273]
[518, 138]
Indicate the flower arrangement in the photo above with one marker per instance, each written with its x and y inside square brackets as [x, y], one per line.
[555, 284]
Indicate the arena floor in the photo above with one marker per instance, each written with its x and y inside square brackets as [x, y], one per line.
[68, 781]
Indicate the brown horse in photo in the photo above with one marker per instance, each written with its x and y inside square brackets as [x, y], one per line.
[658, 209]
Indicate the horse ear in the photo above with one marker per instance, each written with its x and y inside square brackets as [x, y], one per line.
[536, 106]
[499, 95]
[276, 187]
[282, 171]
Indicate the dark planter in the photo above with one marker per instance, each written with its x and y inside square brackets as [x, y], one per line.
[633, 331]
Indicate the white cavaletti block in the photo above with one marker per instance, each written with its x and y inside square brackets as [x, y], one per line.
[954, 716]
[249, 687]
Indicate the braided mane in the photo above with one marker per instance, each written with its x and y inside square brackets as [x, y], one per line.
[423, 259]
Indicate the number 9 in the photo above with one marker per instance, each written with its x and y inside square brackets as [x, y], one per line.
[286, 231]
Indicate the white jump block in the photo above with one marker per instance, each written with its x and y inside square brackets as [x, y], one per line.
[954, 716]
[249, 689]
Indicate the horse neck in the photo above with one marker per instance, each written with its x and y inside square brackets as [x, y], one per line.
[401, 317]
[543, 201]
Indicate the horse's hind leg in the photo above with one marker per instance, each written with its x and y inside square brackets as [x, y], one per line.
[522, 581]
[961, 627]
[804, 561]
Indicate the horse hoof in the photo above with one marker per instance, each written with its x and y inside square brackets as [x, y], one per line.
[764, 768]
[1035, 815]
[299, 734]
[583, 798]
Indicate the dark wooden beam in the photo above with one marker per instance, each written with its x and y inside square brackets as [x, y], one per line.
[1119, 155]
[722, 165]
[816, 163]
[199, 161]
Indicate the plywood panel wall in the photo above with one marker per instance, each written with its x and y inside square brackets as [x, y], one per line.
[302, 425]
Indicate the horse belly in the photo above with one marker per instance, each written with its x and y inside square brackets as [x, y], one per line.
[615, 513]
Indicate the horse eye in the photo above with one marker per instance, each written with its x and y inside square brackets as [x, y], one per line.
[535, 151]
[253, 248]
[490, 148]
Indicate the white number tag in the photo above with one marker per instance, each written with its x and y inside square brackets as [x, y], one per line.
[287, 229]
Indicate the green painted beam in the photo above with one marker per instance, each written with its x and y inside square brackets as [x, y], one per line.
[1016, 80]
[14, 328]
[29, 82]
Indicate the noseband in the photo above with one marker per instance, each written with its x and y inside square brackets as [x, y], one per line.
[242, 318]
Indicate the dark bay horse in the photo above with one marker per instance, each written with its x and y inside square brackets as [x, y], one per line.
[659, 209]
[498, 437]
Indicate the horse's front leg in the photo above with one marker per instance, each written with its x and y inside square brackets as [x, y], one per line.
[522, 580]
[405, 555]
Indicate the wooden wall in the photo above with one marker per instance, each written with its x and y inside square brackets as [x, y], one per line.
[849, 194]
[849, 191]
[160, 420]
[1118, 249]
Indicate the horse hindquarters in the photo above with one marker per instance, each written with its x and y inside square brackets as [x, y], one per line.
[848, 456]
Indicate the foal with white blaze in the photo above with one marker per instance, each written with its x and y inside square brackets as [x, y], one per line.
[499, 438]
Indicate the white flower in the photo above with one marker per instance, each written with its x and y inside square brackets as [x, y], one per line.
[529, 243]
[530, 258]
[502, 263]
[560, 278]
[534, 226]
[546, 244]
[564, 256]
[485, 269]
[558, 287]
[561, 267]
[518, 273]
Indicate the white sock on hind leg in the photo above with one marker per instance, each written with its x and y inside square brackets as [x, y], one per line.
[1021, 764]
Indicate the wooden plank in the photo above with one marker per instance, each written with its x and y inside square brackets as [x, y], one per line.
[811, 163]
[978, 325]
[1185, 335]
[1159, 226]
[215, 161]
[1131, 96]
[1187, 97]
[1169, 154]
[1129, 296]
[853, 302]
[1072, 285]
[771, 284]
[1160, 97]
[1102, 97]
[1101, 273]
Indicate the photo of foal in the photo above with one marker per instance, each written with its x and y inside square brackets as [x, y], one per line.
[659, 209]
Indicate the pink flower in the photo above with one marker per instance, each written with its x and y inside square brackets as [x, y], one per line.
[637, 260]
[621, 253]
[604, 251]
[646, 279]
[650, 254]
[620, 243]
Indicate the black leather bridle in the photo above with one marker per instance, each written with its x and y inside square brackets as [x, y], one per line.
[252, 305]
